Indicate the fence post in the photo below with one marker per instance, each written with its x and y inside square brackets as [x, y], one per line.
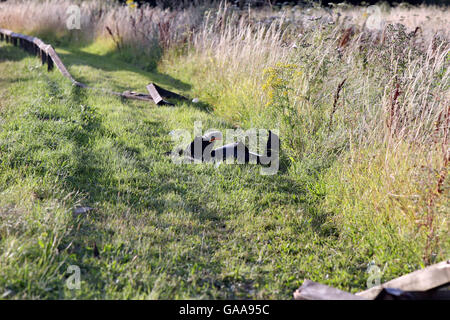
[49, 63]
[43, 57]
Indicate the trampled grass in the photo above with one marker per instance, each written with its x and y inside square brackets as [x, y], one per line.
[363, 190]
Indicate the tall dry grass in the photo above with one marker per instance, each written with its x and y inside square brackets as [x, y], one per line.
[134, 26]
[377, 100]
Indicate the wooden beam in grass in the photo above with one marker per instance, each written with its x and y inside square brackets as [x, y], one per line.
[156, 96]
[311, 290]
[421, 280]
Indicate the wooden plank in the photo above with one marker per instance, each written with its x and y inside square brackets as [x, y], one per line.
[6, 31]
[136, 96]
[154, 93]
[168, 94]
[79, 84]
[57, 61]
[38, 42]
[421, 280]
[311, 290]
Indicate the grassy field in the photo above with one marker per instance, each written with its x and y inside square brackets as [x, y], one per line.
[351, 190]
[163, 230]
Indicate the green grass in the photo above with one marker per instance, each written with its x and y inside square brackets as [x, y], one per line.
[163, 231]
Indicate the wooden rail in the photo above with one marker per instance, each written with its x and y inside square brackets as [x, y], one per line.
[48, 55]
[430, 283]
[420, 280]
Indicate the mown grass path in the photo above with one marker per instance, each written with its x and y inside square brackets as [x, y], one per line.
[162, 230]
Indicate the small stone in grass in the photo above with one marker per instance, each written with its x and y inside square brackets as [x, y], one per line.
[7, 293]
[81, 210]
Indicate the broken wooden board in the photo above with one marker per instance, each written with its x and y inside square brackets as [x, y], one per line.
[421, 280]
[311, 290]
[168, 94]
[156, 96]
[136, 95]
[57, 61]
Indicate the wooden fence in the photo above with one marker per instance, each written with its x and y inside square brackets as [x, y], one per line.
[48, 55]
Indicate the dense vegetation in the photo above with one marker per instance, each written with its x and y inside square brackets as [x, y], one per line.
[362, 106]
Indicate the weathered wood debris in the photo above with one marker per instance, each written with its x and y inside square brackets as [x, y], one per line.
[431, 283]
[77, 211]
[48, 56]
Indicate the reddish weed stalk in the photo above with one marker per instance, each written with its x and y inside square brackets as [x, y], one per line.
[336, 98]
[394, 114]
[116, 37]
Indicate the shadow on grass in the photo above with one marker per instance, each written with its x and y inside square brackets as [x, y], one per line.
[8, 52]
[91, 176]
[103, 63]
